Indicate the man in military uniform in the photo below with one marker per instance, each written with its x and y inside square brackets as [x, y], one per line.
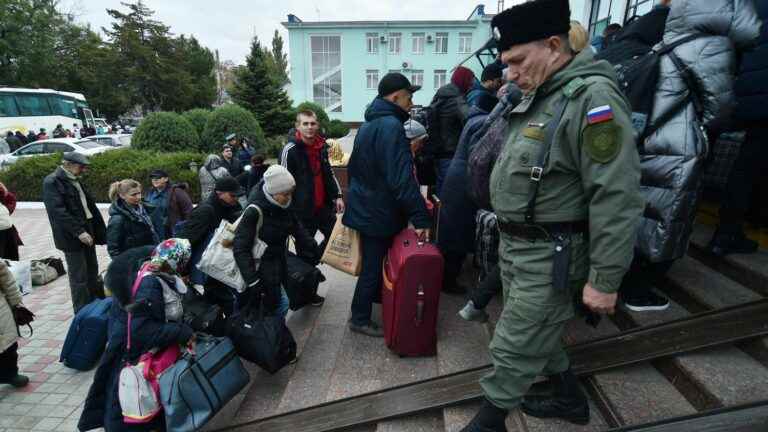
[566, 190]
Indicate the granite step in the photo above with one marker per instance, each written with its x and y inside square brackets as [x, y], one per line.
[750, 270]
[710, 378]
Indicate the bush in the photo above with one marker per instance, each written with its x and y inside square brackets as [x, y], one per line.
[336, 129]
[229, 119]
[322, 116]
[165, 131]
[25, 177]
[197, 117]
[274, 146]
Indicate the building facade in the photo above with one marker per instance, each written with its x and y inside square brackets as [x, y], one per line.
[338, 64]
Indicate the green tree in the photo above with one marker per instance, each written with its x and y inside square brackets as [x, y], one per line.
[280, 59]
[198, 118]
[257, 88]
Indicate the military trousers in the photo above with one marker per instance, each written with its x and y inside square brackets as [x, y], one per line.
[527, 342]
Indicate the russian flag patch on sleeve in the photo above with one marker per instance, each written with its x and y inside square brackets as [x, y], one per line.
[600, 114]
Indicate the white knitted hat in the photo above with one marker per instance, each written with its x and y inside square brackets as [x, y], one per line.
[414, 129]
[277, 180]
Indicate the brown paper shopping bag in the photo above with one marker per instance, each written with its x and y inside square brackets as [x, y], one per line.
[343, 251]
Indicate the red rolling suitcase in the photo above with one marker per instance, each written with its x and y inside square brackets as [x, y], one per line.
[413, 277]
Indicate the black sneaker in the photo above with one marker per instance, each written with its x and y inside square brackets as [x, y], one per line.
[650, 302]
[317, 300]
[372, 329]
[17, 381]
[737, 243]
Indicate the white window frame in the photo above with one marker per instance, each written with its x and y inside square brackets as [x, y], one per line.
[417, 77]
[395, 49]
[418, 40]
[339, 69]
[372, 43]
[465, 43]
[371, 76]
[440, 78]
[441, 43]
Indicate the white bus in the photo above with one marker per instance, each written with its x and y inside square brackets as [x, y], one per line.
[32, 109]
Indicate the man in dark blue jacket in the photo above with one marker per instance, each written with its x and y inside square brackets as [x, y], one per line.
[383, 192]
[751, 114]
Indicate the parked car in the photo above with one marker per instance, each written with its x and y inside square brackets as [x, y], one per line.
[112, 140]
[86, 146]
[4, 147]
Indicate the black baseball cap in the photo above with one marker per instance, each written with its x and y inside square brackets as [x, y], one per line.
[395, 81]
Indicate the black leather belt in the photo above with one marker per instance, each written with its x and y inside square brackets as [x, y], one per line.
[542, 231]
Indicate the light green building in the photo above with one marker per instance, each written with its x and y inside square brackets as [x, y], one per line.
[338, 64]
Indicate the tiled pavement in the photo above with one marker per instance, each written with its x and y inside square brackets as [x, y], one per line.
[54, 398]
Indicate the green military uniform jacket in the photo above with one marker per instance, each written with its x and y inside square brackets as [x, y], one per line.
[593, 169]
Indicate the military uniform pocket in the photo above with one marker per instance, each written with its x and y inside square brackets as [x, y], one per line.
[543, 314]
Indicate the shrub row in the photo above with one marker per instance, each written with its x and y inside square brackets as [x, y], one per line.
[25, 178]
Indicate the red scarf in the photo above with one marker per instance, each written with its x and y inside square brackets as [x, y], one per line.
[313, 153]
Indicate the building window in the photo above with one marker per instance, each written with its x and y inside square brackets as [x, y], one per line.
[395, 43]
[326, 71]
[600, 16]
[465, 43]
[418, 43]
[441, 78]
[441, 43]
[372, 43]
[636, 8]
[371, 79]
[417, 77]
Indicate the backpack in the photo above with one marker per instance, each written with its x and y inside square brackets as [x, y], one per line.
[638, 77]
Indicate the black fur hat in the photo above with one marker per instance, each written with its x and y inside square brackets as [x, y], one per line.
[531, 21]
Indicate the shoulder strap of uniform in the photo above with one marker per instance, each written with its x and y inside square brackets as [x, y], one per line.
[549, 138]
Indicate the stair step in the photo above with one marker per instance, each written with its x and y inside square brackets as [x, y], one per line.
[725, 375]
[708, 287]
[428, 422]
[750, 270]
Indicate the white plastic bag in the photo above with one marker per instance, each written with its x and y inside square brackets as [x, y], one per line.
[22, 272]
[218, 260]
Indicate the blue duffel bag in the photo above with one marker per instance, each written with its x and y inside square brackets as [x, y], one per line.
[200, 383]
[87, 336]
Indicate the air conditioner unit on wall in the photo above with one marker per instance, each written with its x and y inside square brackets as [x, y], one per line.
[407, 65]
[383, 39]
[430, 39]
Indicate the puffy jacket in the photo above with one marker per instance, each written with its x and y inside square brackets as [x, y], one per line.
[457, 213]
[295, 159]
[66, 214]
[277, 225]
[10, 297]
[752, 82]
[383, 192]
[211, 171]
[450, 113]
[126, 230]
[672, 158]
[149, 329]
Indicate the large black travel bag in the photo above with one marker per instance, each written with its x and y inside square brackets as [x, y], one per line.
[303, 280]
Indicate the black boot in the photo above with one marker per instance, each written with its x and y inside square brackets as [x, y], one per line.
[731, 240]
[566, 402]
[17, 381]
[489, 419]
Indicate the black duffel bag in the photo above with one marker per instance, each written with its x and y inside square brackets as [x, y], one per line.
[263, 340]
[203, 316]
[303, 280]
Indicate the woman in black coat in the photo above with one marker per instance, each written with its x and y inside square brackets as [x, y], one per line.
[130, 223]
[149, 329]
[273, 197]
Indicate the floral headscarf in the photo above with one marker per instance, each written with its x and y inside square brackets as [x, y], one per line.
[174, 252]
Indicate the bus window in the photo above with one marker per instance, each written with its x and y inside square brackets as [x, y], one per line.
[8, 106]
[63, 106]
[33, 105]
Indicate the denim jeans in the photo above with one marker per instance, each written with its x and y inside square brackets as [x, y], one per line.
[282, 307]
